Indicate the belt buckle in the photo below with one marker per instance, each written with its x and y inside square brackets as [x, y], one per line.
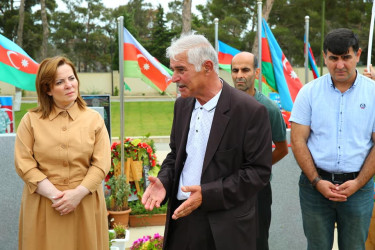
[335, 181]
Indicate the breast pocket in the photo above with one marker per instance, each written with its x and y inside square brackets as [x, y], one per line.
[87, 140]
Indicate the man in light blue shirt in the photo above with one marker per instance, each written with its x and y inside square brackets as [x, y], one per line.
[333, 125]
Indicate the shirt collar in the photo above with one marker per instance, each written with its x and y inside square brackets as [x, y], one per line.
[353, 85]
[72, 112]
[211, 104]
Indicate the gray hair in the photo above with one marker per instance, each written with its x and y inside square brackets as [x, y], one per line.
[198, 48]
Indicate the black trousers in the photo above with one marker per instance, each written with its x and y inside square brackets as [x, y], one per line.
[264, 216]
[192, 232]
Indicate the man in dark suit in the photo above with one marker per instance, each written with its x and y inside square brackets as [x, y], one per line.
[220, 156]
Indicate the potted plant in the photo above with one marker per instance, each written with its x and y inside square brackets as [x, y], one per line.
[138, 155]
[140, 217]
[117, 200]
[148, 242]
[111, 237]
[120, 235]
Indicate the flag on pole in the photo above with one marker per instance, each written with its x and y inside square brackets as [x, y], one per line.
[16, 66]
[226, 53]
[140, 64]
[312, 64]
[277, 71]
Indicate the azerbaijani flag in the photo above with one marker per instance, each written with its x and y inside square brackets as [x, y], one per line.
[312, 64]
[226, 53]
[16, 66]
[277, 71]
[139, 63]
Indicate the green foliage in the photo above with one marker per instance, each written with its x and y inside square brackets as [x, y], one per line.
[87, 31]
[138, 208]
[141, 118]
[120, 230]
[111, 237]
[120, 190]
[160, 37]
[115, 92]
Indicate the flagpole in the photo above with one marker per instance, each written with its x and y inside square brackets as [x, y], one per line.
[307, 49]
[121, 83]
[322, 36]
[370, 37]
[216, 21]
[260, 44]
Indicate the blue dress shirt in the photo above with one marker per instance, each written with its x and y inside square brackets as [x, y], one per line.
[341, 124]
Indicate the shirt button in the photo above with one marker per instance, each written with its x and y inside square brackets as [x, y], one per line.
[65, 163]
[64, 128]
[66, 181]
[62, 146]
[196, 130]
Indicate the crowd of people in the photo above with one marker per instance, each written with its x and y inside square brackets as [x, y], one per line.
[217, 176]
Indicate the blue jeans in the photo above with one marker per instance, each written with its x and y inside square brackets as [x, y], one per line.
[320, 214]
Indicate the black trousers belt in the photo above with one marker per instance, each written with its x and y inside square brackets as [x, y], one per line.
[337, 178]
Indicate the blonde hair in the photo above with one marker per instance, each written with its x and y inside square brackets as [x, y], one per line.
[44, 83]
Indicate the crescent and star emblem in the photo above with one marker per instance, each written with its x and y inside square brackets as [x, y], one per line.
[9, 53]
[145, 66]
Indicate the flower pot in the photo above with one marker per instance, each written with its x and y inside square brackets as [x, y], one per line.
[144, 220]
[120, 243]
[119, 217]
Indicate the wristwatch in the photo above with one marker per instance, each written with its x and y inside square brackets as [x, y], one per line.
[316, 180]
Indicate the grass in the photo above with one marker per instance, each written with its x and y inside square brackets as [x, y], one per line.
[141, 118]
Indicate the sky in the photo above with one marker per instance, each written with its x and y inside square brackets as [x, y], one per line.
[155, 3]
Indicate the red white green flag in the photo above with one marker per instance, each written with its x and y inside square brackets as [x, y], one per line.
[138, 63]
[16, 66]
[277, 70]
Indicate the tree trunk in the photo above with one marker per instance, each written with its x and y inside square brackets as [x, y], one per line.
[18, 95]
[186, 16]
[45, 28]
[265, 13]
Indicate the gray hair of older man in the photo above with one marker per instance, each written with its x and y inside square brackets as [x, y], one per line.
[198, 49]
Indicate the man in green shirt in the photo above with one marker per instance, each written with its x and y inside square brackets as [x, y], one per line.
[244, 70]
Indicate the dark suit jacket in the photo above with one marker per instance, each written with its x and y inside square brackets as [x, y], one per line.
[236, 166]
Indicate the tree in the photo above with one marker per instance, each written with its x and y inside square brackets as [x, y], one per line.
[174, 16]
[186, 16]
[160, 37]
[45, 28]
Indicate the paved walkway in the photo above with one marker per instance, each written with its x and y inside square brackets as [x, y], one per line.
[162, 149]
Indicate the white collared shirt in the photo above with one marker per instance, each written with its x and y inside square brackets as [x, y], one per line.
[199, 131]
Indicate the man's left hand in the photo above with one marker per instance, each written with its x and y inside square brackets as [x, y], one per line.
[188, 206]
[347, 188]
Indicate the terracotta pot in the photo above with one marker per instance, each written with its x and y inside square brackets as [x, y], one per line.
[144, 220]
[119, 217]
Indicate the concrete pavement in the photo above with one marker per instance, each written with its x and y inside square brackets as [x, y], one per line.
[286, 231]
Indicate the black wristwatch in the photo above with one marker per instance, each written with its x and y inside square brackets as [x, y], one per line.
[316, 180]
